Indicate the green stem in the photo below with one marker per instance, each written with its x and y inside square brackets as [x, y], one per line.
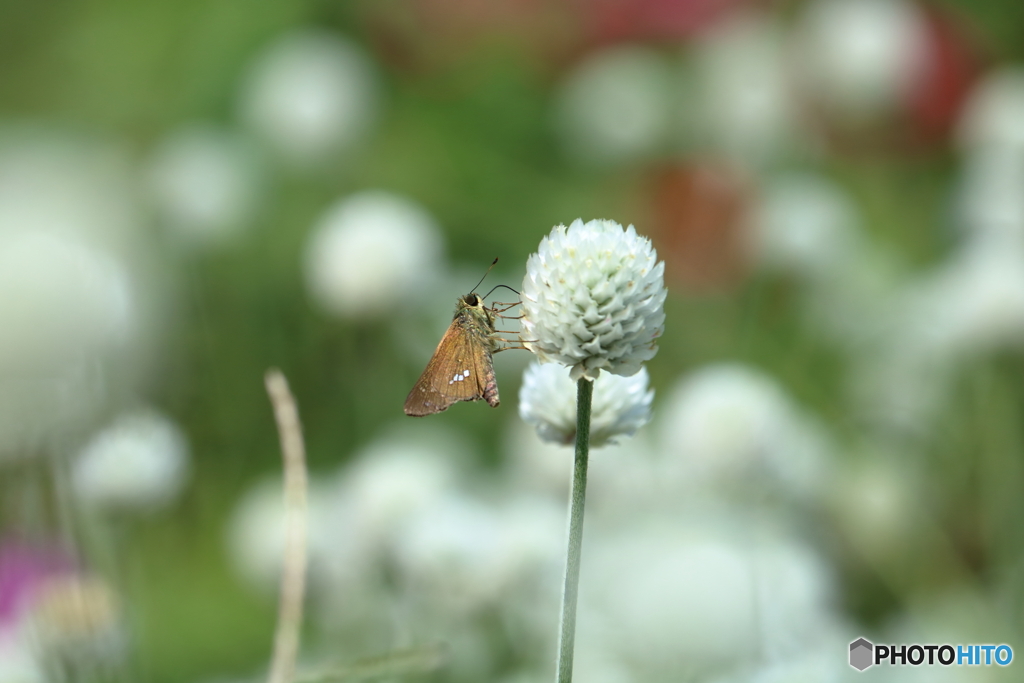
[567, 629]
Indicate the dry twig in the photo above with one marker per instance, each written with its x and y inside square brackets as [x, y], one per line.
[293, 574]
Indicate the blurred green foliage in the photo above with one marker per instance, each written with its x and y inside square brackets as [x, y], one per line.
[472, 142]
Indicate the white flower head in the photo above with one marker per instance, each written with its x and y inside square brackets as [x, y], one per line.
[311, 94]
[257, 533]
[78, 620]
[82, 300]
[731, 426]
[547, 401]
[744, 99]
[734, 597]
[593, 299]
[993, 116]
[616, 106]
[857, 57]
[140, 462]
[807, 225]
[370, 250]
[205, 184]
[989, 201]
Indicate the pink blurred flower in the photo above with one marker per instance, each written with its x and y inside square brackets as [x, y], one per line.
[24, 566]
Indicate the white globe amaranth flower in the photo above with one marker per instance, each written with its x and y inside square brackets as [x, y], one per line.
[547, 401]
[744, 99]
[858, 57]
[969, 305]
[463, 551]
[257, 532]
[733, 427]
[594, 299]
[703, 592]
[616, 106]
[369, 251]
[398, 476]
[805, 224]
[205, 184]
[78, 620]
[990, 197]
[993, 116]
[19, 661]
[139, 462]
[875, 503]
[82, 295]
[311, 94]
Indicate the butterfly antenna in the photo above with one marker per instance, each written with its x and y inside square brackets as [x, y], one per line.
[505, 286]
[485, 275]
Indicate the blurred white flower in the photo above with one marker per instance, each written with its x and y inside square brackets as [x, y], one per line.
[69, 187]
[959, 614]
[534, 464]
[729, 424]
[859, 57]
[596, 664]
[990, 197]
[616, 106]
[371, 252]
[532, 541]
[78, 301]
[901, 382]
[877, 504]
[19, 662]
[968, 306]
[257, 530]
[805, 224]
[311, 94]
[849, 305]
[77, 624]
[625, 480]
[670, 597]
[205, 183]
[450, 552]
[746, 99]
[64, 299]
[795, 595]
[139, 462]
[594, 298]
[547, 400]
[817, 663]
[993, 117]
[403, 529]
[397, 477]
[971, 304]
[462, 553]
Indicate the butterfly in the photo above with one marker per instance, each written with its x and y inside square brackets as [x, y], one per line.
[461, 368]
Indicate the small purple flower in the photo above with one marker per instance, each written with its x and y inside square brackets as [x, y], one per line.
[23, 567]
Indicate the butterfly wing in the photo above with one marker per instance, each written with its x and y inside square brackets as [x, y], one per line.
[460, 370]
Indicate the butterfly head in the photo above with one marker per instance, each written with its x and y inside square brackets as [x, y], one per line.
[471, 300]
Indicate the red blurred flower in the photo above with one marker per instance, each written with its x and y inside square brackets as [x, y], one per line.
[935, 99]
[697, 220]
[640, 20]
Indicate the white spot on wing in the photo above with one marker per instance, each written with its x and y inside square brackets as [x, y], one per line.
[465, 373]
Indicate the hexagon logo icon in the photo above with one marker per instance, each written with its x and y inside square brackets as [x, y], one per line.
[860, 654]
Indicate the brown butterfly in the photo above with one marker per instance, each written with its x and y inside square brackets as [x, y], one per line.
[461, 367]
